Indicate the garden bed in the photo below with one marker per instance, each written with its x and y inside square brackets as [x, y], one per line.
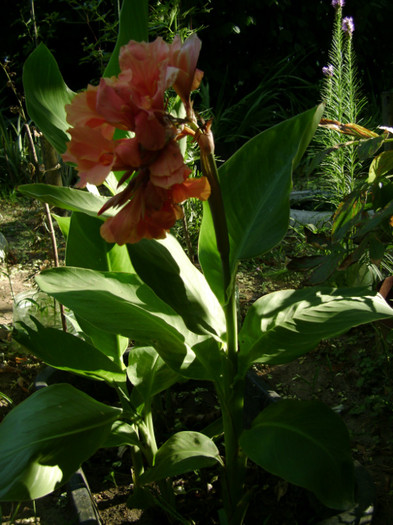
[349, 373]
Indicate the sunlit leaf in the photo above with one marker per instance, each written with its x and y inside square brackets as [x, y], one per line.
[46, 96]
[255, 184]
[281, 326]
[67, 198]
[44, 440]
[122, 303]
[183, 452]
[133, 25]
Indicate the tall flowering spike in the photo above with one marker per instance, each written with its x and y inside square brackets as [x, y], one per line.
[134, 101]
[348, 25]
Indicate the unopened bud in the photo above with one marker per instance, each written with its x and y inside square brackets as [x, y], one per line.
[205, 139]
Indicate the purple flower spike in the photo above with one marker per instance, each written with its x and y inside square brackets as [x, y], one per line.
[338, 3]
[348, 25]
[328, 71]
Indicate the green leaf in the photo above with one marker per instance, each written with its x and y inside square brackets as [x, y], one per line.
[133, 25]
[255, 184]
[121, 434]
[376, 220]
[67, 198]
[148, 373]
[163, 265]
[328, 266]
[381, 165]
[368, 148]
[63, 223]
[281, 326]
[46, 96]
[47, 437]
[87, 249]
[308, 445]
[68, 352]
[183, 452]
[347, 216]
[121, 303]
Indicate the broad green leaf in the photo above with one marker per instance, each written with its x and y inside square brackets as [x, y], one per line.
[46, 96]
[87, 249]
[376, 220]
[44, 440]
[347, 216]
[368, 148]
[308, 445]
[163, 265]
[183, 452]
[328, 266]
[148, 373]
[376, 249]
[381, 165]
[255, 184]
[67, 198]
[121, 303]
[281, 326]
[133, 25]
[68, 352]
[121, 434]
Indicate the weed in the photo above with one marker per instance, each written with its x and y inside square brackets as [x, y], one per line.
[341, 92]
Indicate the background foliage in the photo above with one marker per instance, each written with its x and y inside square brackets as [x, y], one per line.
[262, 60]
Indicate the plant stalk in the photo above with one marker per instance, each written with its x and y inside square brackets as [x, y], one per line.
[231, 390]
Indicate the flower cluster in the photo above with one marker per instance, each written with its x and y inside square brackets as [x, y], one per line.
[348, 25]
[338, 3]
[328, 71]
[150, 158]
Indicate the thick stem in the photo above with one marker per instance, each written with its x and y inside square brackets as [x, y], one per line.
[231, 390]
[231, 400]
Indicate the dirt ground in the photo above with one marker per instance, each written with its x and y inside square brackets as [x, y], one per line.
[352, 374]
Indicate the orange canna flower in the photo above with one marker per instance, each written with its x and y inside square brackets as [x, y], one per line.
[83, 109]
[169, 168]
[151, 159]
[92, 150]
[184, 58]
[150, 214]
[148, 64]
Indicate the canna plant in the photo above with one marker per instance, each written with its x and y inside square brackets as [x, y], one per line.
[127, 279]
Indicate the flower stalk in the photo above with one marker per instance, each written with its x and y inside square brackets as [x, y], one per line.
[231, 391]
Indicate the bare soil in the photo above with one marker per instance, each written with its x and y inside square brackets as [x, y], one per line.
[352, 374]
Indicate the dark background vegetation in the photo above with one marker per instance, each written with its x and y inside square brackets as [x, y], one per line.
[241, 40]
[275, 46]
